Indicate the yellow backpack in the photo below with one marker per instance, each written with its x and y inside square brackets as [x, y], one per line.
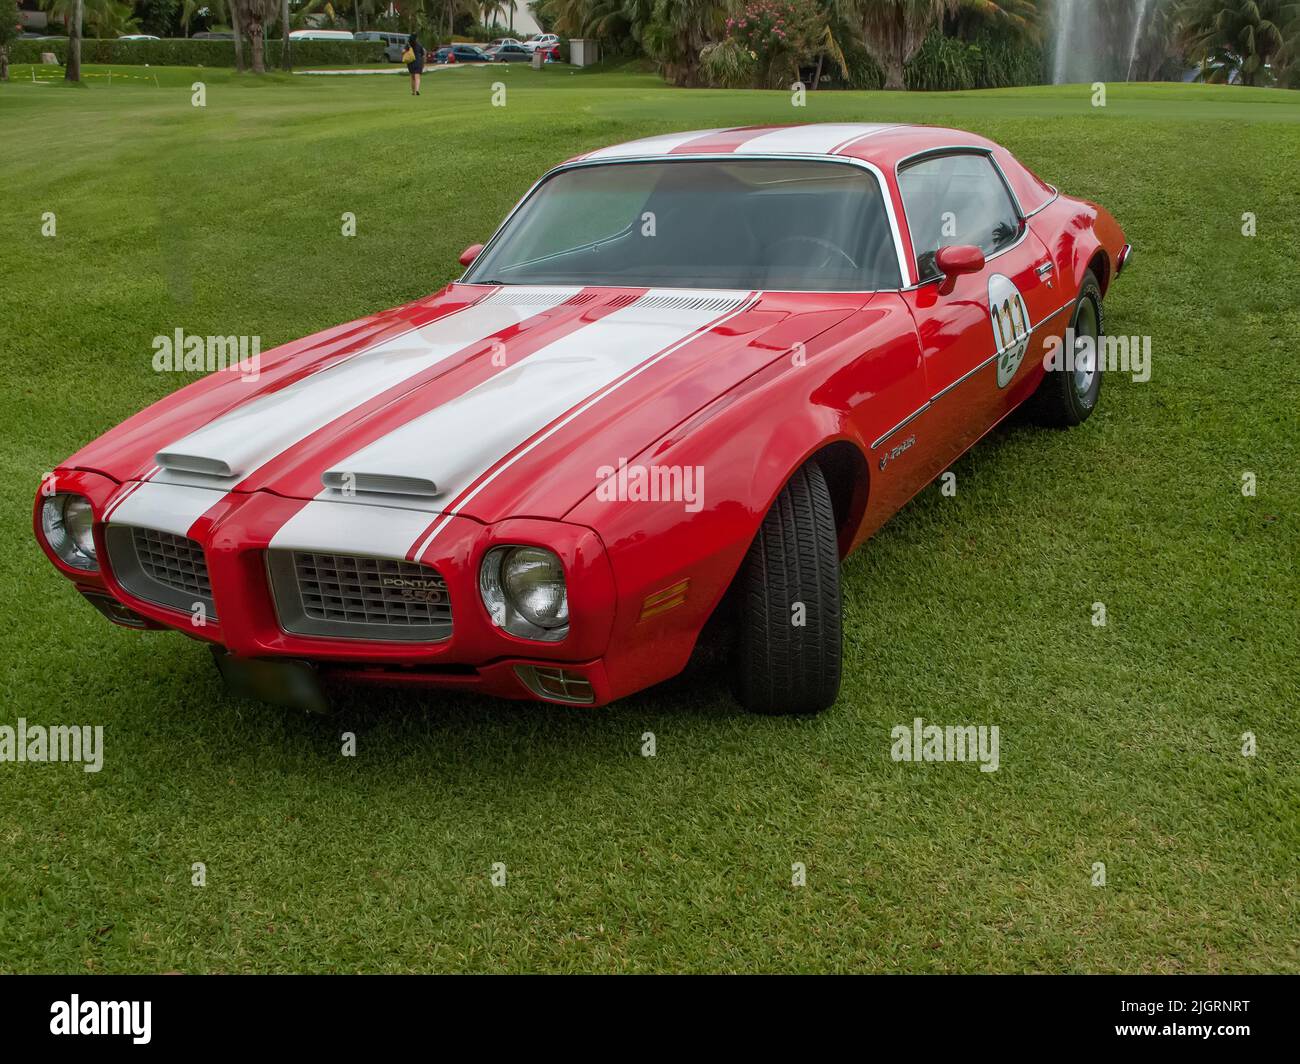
[408, 56]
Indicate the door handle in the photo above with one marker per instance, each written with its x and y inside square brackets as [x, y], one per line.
[1044, 268]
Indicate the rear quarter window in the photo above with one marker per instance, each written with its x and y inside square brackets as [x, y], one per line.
[1031, 190]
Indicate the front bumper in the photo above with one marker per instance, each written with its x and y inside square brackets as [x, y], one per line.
[236, 533]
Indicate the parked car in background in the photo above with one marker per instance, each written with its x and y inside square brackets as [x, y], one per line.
[138, 37]
[461, 53]
[509, 53]
[394, 43]
[321, 35]
[541, 40]
[506, 40]
[550, 52]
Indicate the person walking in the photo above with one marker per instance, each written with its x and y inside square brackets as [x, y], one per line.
[414, 59]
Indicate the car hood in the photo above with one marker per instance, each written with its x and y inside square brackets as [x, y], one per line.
[488, 402]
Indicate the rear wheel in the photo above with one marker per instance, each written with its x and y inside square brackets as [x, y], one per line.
[789, 652]
[1069, 392]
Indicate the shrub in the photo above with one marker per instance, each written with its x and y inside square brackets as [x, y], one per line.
[774, 36]
[947, 64]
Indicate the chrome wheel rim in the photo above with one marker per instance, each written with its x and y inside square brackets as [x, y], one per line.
[1085, 347]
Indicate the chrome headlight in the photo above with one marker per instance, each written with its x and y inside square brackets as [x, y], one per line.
[524, 591]
[66, 522]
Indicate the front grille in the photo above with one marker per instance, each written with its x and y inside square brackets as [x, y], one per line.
[351, 596]
[173, 561]
[160, 567]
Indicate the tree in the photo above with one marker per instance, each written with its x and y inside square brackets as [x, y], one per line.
[103, 18]
[8, 33]
[676, 34]
[894, 30]
[605, 20]
[253, 16]
[1237, 39]
[286, 57]
[215, 13]
[72, 72]
[1155, 43]
[159, 17]
[236, 24]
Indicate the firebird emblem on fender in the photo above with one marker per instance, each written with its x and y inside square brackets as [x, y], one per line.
[1011, 326]
[896, 452]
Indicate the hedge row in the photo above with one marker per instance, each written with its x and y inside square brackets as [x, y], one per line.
[947, 64]
[183, 51]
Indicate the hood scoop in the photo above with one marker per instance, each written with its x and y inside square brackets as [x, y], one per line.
[204, 466]
[350, 482]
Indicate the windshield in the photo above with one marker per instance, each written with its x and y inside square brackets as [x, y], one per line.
[792, 225]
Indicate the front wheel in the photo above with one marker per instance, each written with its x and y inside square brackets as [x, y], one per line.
[1069, 392]
[789, 656]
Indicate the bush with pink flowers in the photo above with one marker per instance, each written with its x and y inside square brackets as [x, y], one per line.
[775, 37]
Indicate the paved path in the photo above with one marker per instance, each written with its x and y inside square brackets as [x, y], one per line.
[397, 68]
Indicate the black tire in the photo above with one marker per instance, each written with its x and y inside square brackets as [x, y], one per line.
[1068, 395]
[782, 666]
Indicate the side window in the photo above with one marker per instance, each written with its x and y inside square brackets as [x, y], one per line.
[956, 199]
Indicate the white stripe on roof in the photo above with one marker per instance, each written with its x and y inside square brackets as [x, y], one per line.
[660, 145]
[808, 140]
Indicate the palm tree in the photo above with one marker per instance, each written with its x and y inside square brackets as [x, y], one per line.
[72, 72]
[286, 58]
[676, 33]
[606, 20]
[894, 30]
[8, 33]
[1238, 37]
[236, 24]
[1013, 18]
[249, 17]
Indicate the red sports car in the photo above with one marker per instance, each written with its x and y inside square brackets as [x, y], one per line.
[684, 379]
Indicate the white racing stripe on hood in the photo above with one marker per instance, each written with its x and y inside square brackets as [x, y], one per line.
[165, 507]
[336, 528]
[457, 442]
[252, 434]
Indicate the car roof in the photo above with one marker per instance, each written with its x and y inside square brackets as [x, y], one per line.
[881, 144]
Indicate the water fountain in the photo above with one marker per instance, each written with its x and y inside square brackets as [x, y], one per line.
[1097, 40]
[1065, 29]
[1138, 23]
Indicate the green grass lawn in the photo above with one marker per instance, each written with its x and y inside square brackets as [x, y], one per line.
[1119, 744]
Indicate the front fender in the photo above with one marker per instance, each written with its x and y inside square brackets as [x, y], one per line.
[673, 560]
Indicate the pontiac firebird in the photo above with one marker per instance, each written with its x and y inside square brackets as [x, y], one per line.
[686, 377]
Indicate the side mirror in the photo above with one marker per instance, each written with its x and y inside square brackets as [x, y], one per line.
[955, 260]
[474, 250]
